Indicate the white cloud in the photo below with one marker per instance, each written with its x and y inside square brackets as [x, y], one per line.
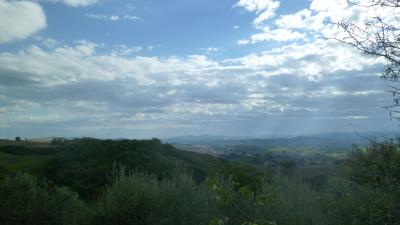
[19, 20]
[265, 9]
[76, 3]
[280, 35]
[296, 20]
[243, 42]
[210, 50]
[315, 18]
[72, 3]
[315, 21]
[72, 63]
[314, 60]
[47, 42]
[80, 86]
[124, 50]
[112, 17]
[329, 5]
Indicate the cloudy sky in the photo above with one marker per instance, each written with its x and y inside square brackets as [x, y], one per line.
[161, 68]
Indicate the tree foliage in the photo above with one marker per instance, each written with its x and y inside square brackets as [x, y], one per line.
[377, 165]
[26, 200]
[85, 165]
[137, 198]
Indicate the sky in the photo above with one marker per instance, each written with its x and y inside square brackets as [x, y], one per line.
[163, 68]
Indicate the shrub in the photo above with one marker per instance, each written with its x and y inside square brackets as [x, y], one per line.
[377, 166]
[25, 200]
[361, 205]
[140, 199]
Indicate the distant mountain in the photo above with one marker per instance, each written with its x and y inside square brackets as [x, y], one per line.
[222, 144]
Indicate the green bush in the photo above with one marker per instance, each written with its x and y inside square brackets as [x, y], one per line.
[25, 200]
[280, 200]
[239, 197]
[347, 203]
[294, 202]
[377, 166]
[136, 198]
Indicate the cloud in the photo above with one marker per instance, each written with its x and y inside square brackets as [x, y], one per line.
[297, 20]
[90, 87]
[138, 90]
[46, 42]
[20, 19]
[314, 59]
[211, 50]
[81, 61]
[124, 50]
[81, 87]
[316, 18]
[307, 27]
[265, 9]
[311, 23]
[113, 18]
[280, 35]
[243, 42]
[76, 3]
[72, 3]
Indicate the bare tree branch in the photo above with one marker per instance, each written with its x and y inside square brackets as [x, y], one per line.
[380, 38]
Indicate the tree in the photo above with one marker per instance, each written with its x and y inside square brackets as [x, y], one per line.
[376, 166]
[379, 36]
[26, 200]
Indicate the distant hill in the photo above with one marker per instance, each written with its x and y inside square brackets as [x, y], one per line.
[221, 144]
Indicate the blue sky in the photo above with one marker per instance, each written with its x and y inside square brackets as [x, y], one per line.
[152, 68]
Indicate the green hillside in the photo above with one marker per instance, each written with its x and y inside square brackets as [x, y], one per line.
[85, 165]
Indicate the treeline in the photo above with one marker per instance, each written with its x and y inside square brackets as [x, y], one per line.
[366, 192]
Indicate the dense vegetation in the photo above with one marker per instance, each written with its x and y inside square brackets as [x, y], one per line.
[89, 181]
[85, 165]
